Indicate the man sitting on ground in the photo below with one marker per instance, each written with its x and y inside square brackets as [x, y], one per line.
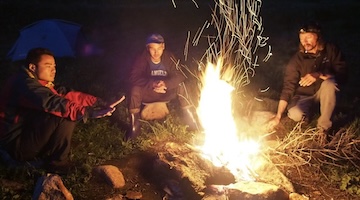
[37, 119]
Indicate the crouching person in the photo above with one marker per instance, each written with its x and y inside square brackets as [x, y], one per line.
[154, 77]
[313, 76]
[37, 119]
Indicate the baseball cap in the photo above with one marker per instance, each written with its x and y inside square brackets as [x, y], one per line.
[155, 38]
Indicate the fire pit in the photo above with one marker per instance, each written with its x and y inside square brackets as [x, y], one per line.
[186, 166]
[224, 163]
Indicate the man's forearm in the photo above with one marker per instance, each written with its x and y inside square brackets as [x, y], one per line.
[281, 108]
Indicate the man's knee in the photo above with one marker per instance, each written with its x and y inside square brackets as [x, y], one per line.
[295, 114]
[329, 85]
[327, 91]
[62, 127]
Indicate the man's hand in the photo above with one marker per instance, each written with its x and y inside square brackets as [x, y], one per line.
[159, 87]
[307, 80]
[102, 112]
[272, 123]
[106, 111]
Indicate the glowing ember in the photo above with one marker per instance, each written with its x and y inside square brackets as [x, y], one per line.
[222, 145]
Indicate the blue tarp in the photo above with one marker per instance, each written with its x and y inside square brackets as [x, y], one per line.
[58, 36]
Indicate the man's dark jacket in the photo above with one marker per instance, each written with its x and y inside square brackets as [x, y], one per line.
[25, 96]
[327, 61]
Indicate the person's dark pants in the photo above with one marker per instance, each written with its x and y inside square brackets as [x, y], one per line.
[45, 136]
[139, 95]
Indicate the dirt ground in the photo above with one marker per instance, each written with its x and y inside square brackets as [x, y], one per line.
[136, 169]
[141, 176]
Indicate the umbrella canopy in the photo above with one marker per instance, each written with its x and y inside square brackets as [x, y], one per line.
[58, 36]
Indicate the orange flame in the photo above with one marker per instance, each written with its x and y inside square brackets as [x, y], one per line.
[222, 145]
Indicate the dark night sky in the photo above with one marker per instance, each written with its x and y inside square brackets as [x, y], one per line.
[105, 21]
[120, 26]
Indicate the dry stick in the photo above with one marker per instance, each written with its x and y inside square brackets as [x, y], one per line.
[343, 150]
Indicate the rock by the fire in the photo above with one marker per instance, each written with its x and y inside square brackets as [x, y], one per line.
[215, 192]
[255, 190]
[133, 195]
[51, 186]
[215, 197]
[267, 172]
[111, 174]
[296, 196]
[116, 197]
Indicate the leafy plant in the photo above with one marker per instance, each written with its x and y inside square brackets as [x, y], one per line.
[347, 178]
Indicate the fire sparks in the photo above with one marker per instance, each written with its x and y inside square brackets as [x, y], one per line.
[222, 145]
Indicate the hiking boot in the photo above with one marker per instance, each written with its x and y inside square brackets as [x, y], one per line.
[7, 159]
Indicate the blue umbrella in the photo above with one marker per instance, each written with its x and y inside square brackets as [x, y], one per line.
[58, 36]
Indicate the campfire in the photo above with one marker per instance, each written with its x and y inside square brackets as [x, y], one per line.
[223, 145]
[224, 163]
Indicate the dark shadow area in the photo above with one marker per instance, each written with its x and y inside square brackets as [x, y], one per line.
[145, 172]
